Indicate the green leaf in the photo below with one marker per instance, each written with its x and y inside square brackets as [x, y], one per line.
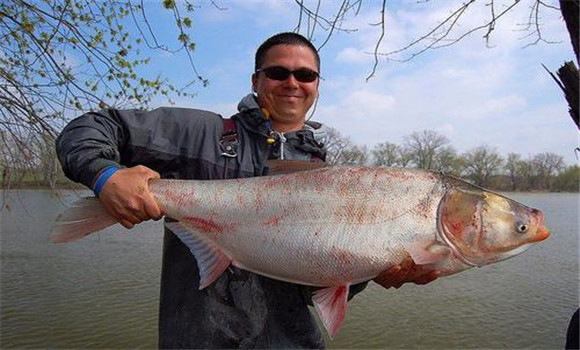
[184, 38]
[169, 4]
[27, 26]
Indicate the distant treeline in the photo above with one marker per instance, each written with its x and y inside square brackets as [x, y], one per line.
[19, 178]
[28, 160]
[483, 165]
[34, 163]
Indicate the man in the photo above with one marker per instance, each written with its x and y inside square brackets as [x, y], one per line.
[116, 153]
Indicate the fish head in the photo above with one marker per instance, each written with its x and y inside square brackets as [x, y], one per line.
[482, 227]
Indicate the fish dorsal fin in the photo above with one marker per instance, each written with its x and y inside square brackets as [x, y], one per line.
[330, 303]
[279, 167]
[211, 260]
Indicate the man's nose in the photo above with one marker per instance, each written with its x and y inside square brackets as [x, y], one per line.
[291, 82]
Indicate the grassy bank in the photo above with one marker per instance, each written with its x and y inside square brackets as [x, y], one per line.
[36, 180]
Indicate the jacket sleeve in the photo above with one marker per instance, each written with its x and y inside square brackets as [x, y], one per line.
[161, 139]
[91, 143]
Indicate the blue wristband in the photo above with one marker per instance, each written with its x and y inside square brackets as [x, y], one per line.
[103, 177]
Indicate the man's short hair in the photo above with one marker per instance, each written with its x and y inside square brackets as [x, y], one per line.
[287, 38]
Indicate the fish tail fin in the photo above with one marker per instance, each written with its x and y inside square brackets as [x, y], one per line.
[86, 216]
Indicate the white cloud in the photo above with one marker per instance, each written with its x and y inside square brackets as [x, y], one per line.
[353, 55]
[361, 114]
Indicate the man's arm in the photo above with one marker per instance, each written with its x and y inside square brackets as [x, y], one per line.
[89, 144]
[93, 143]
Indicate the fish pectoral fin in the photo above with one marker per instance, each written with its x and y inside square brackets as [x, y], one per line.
[330, 303]
[211, 260]
[428, 253]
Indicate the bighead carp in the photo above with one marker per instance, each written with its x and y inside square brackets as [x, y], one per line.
[332, 227]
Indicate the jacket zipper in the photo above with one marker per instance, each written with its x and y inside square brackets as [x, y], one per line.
[282, 142]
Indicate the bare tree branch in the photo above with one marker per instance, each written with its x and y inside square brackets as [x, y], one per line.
[378, 44]
[447, 32]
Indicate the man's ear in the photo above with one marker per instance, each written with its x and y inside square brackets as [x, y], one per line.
[255, 83]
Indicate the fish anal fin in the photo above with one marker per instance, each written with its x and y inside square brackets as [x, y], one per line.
[211, 260]
[428, 253]
[331, 303]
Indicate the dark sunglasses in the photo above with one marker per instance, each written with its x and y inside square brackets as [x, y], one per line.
[303, 75]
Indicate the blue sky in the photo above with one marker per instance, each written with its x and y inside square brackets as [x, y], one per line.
[475, 95]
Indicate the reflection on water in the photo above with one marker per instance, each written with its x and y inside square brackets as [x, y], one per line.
[102, 292]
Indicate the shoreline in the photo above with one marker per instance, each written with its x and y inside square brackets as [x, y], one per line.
[67, 186]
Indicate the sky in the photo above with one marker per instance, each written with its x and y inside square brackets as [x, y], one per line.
[495, 94]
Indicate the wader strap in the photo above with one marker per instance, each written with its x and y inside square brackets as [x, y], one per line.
[229, 142]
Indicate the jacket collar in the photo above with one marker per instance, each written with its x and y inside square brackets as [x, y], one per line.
[310, 138]
[255, 120]
[252, 118]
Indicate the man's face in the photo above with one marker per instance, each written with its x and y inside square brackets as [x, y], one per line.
[287, 101]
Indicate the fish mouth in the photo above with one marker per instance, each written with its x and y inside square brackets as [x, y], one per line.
[542, 233]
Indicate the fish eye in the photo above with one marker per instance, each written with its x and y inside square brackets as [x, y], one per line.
[522, 228]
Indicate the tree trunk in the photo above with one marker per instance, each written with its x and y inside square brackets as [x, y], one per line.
[569, 83]
[569, 9]
[569, 80]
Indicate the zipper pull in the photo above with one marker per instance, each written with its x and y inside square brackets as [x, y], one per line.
[282, 142]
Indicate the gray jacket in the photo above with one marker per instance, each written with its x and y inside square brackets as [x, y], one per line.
[242, 309]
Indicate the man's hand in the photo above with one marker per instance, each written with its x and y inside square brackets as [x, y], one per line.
[407, 271]
[126, 196]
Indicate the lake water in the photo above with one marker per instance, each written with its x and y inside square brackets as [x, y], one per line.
[102, 291]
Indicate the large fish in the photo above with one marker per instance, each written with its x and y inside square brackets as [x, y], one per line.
[332, 227]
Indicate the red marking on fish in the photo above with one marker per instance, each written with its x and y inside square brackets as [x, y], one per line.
[456, 226]
[320, 180]
[203, 224]
[343, 257]
[176, 197]
[273, 221]
[259, 202]
[240, 199]
[423, 208]
[356, 213]
[276, 182]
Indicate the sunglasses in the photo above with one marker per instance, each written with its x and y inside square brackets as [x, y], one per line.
[303, 75]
